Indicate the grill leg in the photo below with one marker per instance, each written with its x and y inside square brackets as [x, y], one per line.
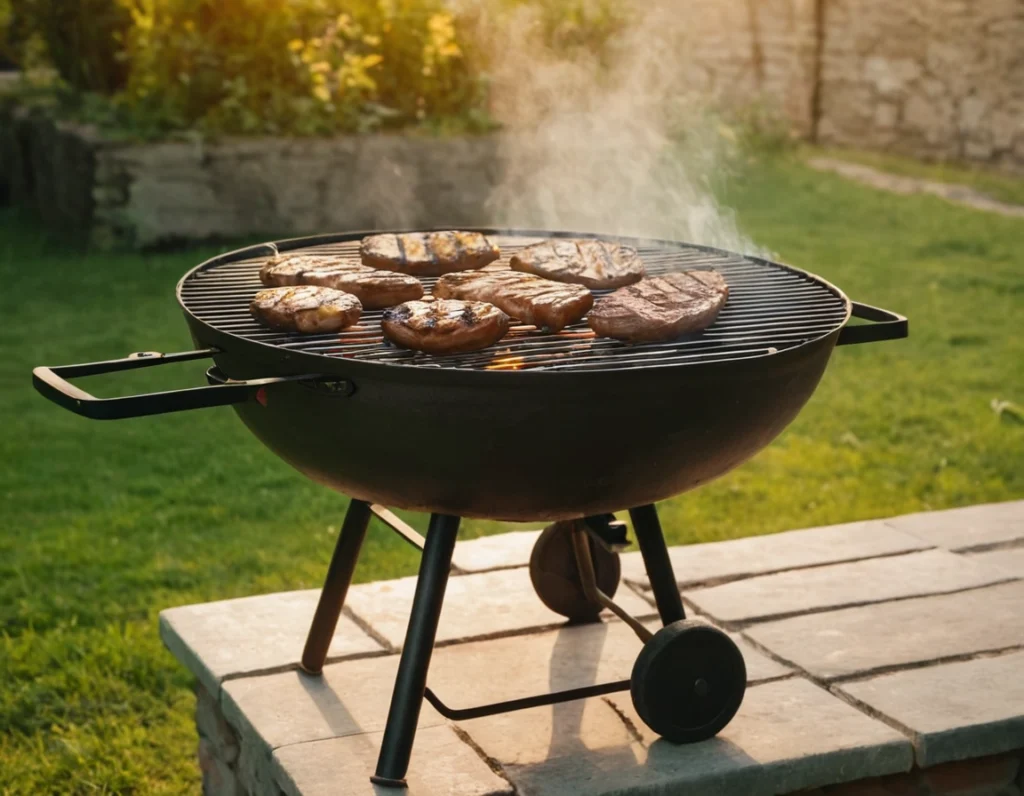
[659, 567]
[339, 576]
[411, 681]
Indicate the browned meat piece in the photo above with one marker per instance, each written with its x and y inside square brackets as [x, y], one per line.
[374, 289]
[305, 308]
[661, 307]
[428, 253]
[524, 296]
[597, 264]
[444, 326]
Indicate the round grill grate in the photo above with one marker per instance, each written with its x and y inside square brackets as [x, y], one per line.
[770, 308]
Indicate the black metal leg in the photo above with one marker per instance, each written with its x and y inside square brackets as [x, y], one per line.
[647, 528]
[411, 682]
[339, 576]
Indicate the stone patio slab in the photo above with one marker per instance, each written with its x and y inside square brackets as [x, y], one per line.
[291, 707]
[757, 555]
[475, 606]
[837, 585]
[859, 640]
[441, 764]
[956, 711]
[787, 736]
[231, 638]
[969, 527]
[352, 697]
[501, 551]
[1008, 559]
[480, 672]
[911, 672]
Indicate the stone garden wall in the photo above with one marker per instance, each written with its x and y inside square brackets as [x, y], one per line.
[932, 78]
[937, 79]
[114, 193]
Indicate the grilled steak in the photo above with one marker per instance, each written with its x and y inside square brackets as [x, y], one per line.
[661, 307]
[305, 308]
[444, 326]
[524, 296]
[428, 253]
[597, 264]
[374, 289]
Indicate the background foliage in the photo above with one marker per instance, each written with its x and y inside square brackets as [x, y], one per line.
[80, 39]
[301, 67]
[294, 66]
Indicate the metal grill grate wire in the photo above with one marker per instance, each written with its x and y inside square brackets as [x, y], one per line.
[770, 309]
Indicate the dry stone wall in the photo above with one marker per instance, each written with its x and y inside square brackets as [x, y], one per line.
[115, 194]
[743, 50]
[940, 79]
[933, 78]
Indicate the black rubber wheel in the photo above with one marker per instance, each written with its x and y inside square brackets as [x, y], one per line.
[556, 578]
[688, 681]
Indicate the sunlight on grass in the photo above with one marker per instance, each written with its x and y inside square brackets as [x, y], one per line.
[996, 184]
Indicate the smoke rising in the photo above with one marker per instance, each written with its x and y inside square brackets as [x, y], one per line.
[622, 147]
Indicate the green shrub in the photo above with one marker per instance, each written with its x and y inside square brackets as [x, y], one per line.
[82, 39]
[12, 34]
[294, 66]
[280, 67]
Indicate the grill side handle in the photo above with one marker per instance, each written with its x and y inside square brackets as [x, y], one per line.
[53, 384]
[888, 326]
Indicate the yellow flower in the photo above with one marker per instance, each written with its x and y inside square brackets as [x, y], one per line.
[322, 93]
[371, 61]
[441, 26]
[296, 44]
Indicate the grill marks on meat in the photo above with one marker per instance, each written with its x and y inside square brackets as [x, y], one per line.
[445, 326]
[597, 264]
[428, 253]
[529, 298]
[309, 309]
[661, 307]
[375, 289]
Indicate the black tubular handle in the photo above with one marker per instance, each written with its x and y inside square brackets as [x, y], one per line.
[52, 383]
[889, 326]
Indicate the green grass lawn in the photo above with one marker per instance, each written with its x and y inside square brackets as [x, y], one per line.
[105, 524]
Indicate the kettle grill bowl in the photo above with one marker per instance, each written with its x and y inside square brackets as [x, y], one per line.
[560, 447]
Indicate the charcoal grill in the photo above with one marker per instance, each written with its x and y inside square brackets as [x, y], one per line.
[561, 427]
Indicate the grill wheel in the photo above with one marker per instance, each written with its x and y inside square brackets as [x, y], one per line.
[688, 681]
[556, 578]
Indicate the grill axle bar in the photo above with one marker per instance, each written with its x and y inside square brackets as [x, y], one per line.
[540, 700]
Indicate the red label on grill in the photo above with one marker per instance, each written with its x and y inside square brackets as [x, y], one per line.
[261, 396]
